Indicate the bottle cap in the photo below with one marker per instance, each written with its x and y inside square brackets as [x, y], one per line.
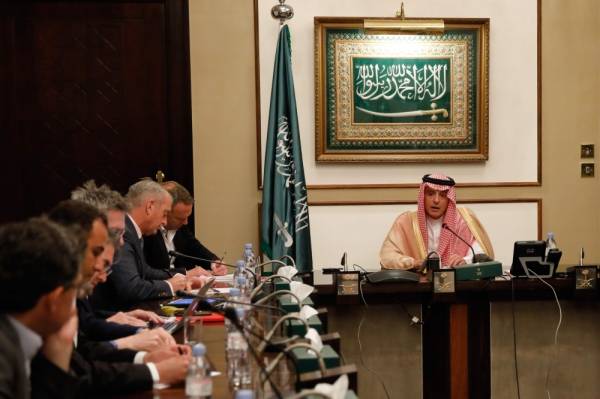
[248, 246]
[199, 350]
[240, 264]
[244, 394]
[234, 291]
[240, 312]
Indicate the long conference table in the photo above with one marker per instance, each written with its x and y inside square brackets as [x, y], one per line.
[455, 337]
[213, 336]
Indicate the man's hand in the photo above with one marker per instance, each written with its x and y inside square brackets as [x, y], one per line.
[159, 355]
[57, 348]
[148, 340]
[177, 282]
[195, 282]
[218, 269]
[174, 369]
[197, 272]
[123, 318]
[455, 260]
[146, 316]
[418, 264]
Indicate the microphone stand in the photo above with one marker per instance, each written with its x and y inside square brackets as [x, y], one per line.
[275, 261]
[230, 314]
[278, 293]
[269, 335]
[288, 349]
[256, 290]
[194, 258]
[476, 259]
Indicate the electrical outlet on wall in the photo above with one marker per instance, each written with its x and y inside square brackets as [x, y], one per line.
[587, 151]
[587, 170]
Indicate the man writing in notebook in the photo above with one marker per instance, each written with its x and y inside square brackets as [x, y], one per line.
[435, 227]
[176, 236]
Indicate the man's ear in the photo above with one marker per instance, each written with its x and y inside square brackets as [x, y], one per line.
[149, 207]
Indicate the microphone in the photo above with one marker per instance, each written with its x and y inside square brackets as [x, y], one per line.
[194, 258]
[231, 315]
[207, 304]
[477, 258]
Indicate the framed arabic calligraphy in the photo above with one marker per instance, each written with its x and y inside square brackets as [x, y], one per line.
[388, 97]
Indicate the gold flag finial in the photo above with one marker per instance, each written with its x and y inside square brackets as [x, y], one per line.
[400, 13]
[160, 176]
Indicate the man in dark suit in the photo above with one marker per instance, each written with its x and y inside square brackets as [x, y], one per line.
[103, 367]
[132, 280]
[99, 324]
[39, 274]
[176, 236]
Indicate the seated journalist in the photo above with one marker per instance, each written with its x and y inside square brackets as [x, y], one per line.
[101, 324]
[122, 365]
[39, 274]
[133, 280]
[176, 236]
[414, 235]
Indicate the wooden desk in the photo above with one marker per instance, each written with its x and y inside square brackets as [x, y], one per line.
[455, 337]
[214, 338]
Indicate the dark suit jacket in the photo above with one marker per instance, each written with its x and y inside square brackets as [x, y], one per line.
[97, 328]
[13, 380]
[101, 378]
[184, 242]
[51, 382]
[87, 378]
[132, 280]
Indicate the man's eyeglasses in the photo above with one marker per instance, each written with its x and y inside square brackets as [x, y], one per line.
[115, 233]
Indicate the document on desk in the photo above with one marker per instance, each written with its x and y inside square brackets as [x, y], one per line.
[228, 278]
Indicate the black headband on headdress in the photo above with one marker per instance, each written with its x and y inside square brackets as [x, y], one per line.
[428, 179]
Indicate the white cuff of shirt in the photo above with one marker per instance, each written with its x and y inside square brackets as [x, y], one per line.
[153, 372]
[139, 357]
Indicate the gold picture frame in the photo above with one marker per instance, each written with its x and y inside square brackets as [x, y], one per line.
[398, 97]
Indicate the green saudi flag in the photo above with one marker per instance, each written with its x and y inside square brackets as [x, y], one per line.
[284, 222]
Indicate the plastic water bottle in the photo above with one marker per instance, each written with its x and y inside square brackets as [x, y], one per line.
[244, 394]
[245, 289]
[550, 243]
[239, 271]
[232, 337]
[235, 347]
[241, 375]
[234, 295]
[250, 259]
[198, 384]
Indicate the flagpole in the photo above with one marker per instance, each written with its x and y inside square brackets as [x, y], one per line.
[285, 224]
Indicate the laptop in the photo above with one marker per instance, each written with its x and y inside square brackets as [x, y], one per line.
[192, 303]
